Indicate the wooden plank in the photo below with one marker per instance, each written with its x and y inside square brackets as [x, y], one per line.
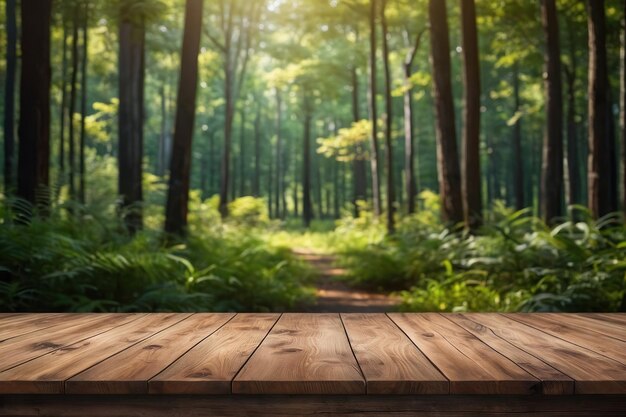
[553, 382]
[592, 372]
[47, 374]
[303, 354]
[128, 372]
[34, 322]
[471, 366]
[32, 345]
[604, 327]
[312, 405]
[210, 366]
[614, 318]
[390, 362]
[604, 345]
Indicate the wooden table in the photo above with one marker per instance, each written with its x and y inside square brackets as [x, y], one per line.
[223, 364]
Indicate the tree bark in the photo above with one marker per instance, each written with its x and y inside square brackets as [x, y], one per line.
[409, 151]
[279, 155]
[34, 122]
[83, 106]
[256, 183]
[599, 171]
[307, 209]
[552, 162]
[72, 106]
[518, 163]
[447, 152]
[242, 154]
[388, 125]
[180, 168]
[63, 112]
[472, 193]
[9, 96]
[622, 114]
[358, 165]
[373, 112]
[131, 112]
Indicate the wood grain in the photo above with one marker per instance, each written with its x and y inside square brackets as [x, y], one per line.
[128, 372]
[615, 318]
[471, 366]
[303, 354]
[604, 327]
[32, 345]
[592, 372]
[28, 323]
[553, 382]
[390, 362]
[604, 345]
[210, 366]
[48, 373]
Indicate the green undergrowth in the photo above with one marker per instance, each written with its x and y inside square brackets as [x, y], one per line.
[86, 262]
[514, 263]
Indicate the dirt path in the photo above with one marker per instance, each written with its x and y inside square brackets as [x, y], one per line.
[334, 295]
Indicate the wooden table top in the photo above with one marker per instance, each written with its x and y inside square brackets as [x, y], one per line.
[293, 353]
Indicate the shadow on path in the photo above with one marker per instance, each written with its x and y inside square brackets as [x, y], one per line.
[336, 296]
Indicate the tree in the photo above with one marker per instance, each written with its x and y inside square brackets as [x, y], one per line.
[447, 153]
[34, 123]
[552, 162]
[83, 105]
[9, 96]
[472, 196]
[622, 107]
[178, 192]
[409, 157]
[373, 111]
[72, 104]
[131, 114]
[388, 123]
[235, 22]
[600, 181]
[307, 207]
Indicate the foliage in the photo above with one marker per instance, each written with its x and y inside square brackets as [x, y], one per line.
[86, 263]
[515, 263]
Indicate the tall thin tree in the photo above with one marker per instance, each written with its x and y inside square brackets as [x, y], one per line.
[622, 114]
[34, 122]
[552, 155]
[599, 169]
[131, 115]
[180, 168]
[472, 194]
[9, 96]
[447, 152]
[390, 189]
[83, 105]
[72, 103]
[373, 111]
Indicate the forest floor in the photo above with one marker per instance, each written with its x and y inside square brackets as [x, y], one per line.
[335, 295]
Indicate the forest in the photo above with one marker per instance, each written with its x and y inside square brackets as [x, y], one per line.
[177, 155]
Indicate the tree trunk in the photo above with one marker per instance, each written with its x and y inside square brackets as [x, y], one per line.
[279, 154]
[162, 160]
[373, 112]
[573, 168]
[72, 106]
[472, 194]
[599, 170]
[256, 183]
[552, 162]
[447, 153]
[180, 168]
[307, 209]
[63, 112]
[388, 126]
[131, 114]
[9, 96]
[518, 164]
[358, 165]
[409, 157]
[34, 122]
[83, 106]
[622, 113]
[228, 127]
[242, 154]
